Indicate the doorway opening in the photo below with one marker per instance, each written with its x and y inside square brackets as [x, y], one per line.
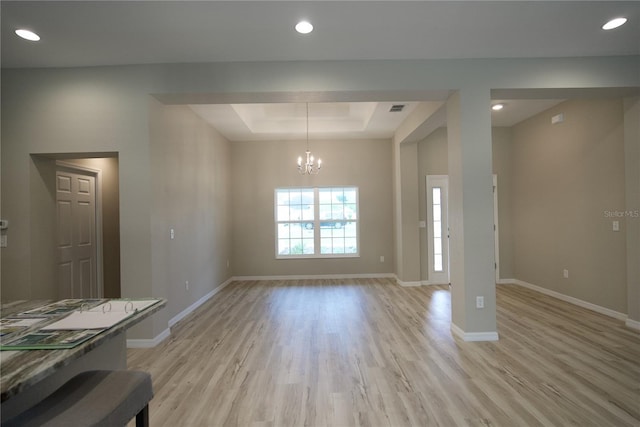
[53, 275]
[437, 189]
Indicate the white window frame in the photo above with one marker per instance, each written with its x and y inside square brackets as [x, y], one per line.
[316, 224]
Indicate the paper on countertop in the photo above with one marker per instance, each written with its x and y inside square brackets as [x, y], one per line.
[103, 316]
[128, 306]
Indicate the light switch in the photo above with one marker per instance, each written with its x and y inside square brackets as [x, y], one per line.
[616, 225]
[172, 233]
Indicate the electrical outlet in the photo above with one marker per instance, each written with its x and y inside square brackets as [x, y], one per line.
[186, 285]
[3, 241]
[381, 258]
[172, 233]
[479, 302]
[616, 225]
[565, 273]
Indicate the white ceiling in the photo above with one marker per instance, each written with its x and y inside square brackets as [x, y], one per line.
[93, 33]
[343, 120]
[336, 120]
[86, 33]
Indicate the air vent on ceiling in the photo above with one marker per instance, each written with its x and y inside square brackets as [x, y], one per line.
[396, 108]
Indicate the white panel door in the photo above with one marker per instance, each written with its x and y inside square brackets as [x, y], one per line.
[76, 234]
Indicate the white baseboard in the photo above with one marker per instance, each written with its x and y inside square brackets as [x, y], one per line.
[317, 276]
[149, 343]
[473, 336]
[187, 311]
[428, 283]
[633, 324]
[408, 284]
[146, 343]
[567, 298]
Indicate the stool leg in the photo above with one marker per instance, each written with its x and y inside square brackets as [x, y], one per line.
[142, 417]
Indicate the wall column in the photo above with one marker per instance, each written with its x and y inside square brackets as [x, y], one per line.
[409, 216]
[471, 243]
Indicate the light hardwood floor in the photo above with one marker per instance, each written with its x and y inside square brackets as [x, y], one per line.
[369, 352]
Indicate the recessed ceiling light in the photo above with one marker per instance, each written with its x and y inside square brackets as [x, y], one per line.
[497, 107]
[304, 27]
[614, 23]
[28, 35]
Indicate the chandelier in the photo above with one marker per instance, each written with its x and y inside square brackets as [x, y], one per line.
[309, 167]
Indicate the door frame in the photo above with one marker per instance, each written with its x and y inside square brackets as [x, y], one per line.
[97, 175]
[496, 228]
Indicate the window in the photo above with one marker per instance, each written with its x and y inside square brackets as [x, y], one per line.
[316, 222]
[437, 229]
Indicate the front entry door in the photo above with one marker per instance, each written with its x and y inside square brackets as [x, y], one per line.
[76, 234]
[438, 228]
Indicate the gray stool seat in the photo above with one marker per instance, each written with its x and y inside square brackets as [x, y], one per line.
[93, 398]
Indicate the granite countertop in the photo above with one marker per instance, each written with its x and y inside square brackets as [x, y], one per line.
[21, 369]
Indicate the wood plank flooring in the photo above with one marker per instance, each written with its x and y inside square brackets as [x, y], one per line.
[368, 352]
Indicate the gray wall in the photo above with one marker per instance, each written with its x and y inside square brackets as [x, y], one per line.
[258, 168]
[632, 190]
[190, 165]
[565, 177]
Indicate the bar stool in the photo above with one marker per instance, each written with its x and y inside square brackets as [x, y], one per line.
[93, 398]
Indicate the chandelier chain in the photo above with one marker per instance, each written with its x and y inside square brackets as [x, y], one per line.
[309, 167]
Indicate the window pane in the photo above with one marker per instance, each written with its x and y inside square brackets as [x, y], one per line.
[307, 212]
[295, 230]
[350, 229]
[325, 211]
[324, 194]
[283, 213]
[436, 213]
[308, 247]
[437, 246]
[283, 247]
[437, 263]
[436, 195]
[306, 197]
[437, 229]
[351, 246]
[296, 247]
[283, 231]
[282, 197]
[337, 212]
[350, 211]
[338, 246]
[350, 196]
[325, 246]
